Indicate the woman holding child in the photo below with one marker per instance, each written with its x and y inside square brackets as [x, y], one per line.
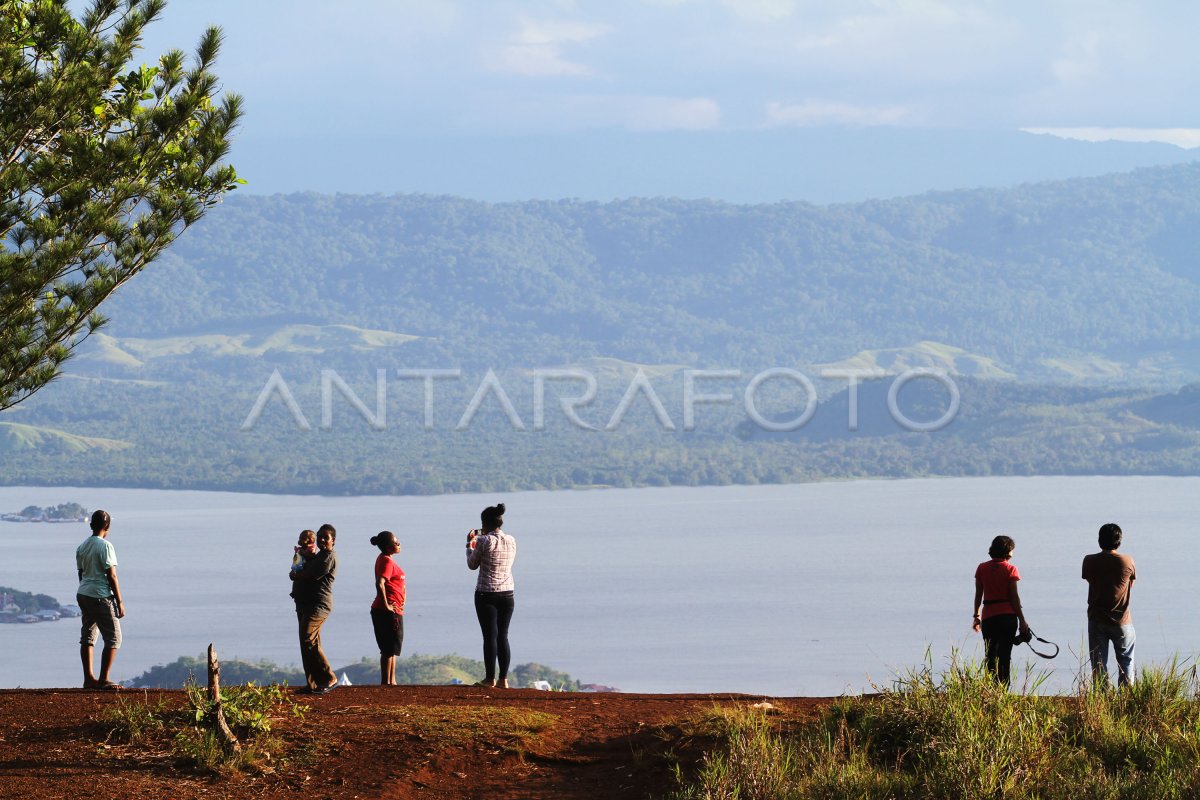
[312, 589]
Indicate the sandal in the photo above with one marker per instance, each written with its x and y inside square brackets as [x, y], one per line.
[485, 684]
[109, 686]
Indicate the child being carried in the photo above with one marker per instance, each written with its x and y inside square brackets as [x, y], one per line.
[306, 548]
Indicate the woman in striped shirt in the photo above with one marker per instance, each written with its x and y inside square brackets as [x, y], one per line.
[492, 551]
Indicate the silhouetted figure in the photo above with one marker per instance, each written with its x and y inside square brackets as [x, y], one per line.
[1110, 576]
[492, 551]
[312, 589]
[99, 598]
[387, 612]
[996, 589]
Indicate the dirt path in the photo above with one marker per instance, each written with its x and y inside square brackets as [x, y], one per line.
[373, 742]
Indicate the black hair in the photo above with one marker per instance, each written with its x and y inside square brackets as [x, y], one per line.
[100, 521]
[1002, 547]
[381, 539]
[1110, 536]
[492, 517]
[327, 527]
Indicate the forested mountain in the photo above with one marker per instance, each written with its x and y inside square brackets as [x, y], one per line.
[1064, 312]
[1049, 280]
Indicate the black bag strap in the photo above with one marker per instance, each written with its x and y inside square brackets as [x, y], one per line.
[1043, 641]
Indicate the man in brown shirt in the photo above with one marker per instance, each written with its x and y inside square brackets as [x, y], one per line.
[1110, 577]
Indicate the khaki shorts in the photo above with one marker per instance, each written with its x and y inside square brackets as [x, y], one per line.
[101, 614]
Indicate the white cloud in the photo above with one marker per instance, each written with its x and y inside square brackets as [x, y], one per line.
[813, 113]
[647, 113]
[752, 10]
[761, 10]
[928, 41]
[1180, 137]
[1080, 60]
[538, 48]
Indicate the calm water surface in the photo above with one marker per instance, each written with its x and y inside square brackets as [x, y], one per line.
[809, 589]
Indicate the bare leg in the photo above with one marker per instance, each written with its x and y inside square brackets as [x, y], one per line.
[106, 661]
[89, 677]
[387, 670]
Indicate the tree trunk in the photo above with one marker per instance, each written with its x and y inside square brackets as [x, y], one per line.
[217, 714]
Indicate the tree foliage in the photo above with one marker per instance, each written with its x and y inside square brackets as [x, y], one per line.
[414, 670]
[102, 165]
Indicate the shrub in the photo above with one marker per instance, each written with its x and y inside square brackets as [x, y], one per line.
[962, 735]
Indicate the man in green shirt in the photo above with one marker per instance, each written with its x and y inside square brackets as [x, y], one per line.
[99, 598]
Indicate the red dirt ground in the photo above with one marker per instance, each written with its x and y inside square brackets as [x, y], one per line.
[363, 742]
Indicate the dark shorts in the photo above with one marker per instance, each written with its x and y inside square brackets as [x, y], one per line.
[99, 614]
[389, 631]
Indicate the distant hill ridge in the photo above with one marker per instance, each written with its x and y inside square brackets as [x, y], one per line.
[1082, 278]
[15, 436]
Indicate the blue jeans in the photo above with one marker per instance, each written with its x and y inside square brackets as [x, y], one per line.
[1123, 640]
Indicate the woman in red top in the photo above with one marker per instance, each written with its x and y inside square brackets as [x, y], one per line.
[387, 612]
[996, 590]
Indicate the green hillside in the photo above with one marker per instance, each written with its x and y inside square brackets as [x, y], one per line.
[1080, 279]
[1065, 313]
[16, 438]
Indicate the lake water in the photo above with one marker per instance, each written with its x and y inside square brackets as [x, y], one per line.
[810, 589]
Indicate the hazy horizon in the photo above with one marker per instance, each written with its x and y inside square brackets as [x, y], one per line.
[592, 100]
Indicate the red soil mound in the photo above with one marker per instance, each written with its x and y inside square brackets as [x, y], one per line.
[372, 742]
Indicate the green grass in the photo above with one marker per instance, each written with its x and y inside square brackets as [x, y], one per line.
[960, 735]
[15, 436]
[185, 732]
[135, 721]
[515, 729]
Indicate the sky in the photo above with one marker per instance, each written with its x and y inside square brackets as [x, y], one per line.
[690, 98]
[459, 66]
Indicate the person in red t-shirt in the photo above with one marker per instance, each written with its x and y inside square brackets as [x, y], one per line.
[387, 612]
[996, 592]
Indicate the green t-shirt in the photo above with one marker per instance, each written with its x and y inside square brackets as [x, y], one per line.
[93, 559]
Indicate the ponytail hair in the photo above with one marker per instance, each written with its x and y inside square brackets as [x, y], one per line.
[492, 517]
[100, 521]
[381, 539]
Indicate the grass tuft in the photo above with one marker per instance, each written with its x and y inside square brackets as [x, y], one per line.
[515, 729]
[250, 711]
[959, 734]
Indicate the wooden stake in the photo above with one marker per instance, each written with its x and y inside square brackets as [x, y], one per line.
[217, 714]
